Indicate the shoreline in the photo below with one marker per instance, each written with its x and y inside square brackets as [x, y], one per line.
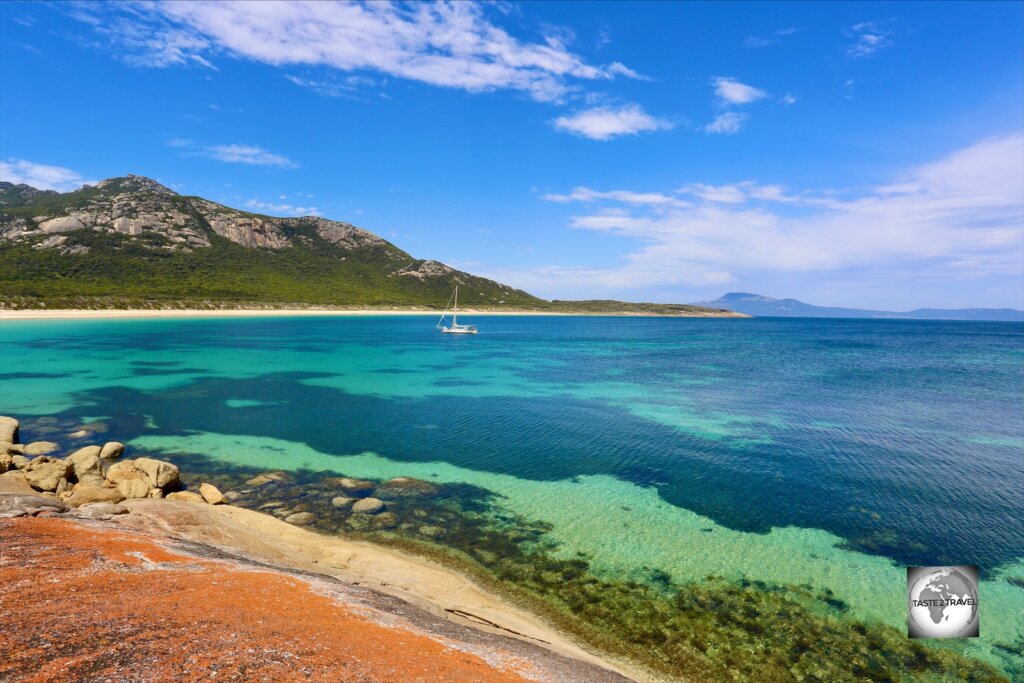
[435, 587]
[95, 314]
[355, 613]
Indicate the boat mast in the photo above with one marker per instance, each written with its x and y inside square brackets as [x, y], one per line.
[455, 310]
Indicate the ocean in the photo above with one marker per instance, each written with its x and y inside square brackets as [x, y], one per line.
[819, 452]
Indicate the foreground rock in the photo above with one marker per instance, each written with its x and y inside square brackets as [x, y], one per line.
[8, 429]
[20, 505]
[186, 497]
[111, 450]
[272, 624]
[99, 511]
[46, 474]
[211, 494]
[15, 482]
[144, 478]
[85, 495]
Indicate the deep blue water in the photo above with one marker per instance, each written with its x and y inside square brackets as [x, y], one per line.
[905, 438]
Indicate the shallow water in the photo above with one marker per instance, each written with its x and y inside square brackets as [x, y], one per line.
[824, 452]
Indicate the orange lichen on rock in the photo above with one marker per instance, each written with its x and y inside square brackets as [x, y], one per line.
[93, 603]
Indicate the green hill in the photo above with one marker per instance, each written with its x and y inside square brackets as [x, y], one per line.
[132, 243]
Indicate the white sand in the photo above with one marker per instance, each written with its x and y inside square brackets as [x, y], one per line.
[42, 314]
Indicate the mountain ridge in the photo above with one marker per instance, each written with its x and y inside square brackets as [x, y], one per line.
[760, 305]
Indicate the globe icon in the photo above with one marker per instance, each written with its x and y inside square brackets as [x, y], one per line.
[943, 603]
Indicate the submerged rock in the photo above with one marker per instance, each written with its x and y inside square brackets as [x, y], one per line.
[8, 429]
[342, 501]
[351, 485]
[386, 520]
[232, 496]
[41, 448]
[431, 531]
[406, 487]
[368, 506]
[300, 518]
[268, 477]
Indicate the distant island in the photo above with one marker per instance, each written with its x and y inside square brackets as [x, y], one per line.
[758, 305]
[132, 243]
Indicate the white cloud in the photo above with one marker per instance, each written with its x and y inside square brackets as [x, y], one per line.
[788, 100]
[585, 194]
[733, 92]
[250, 155]
[960, 218]
[603, 123]
[868, 38]
[447, 44]
[728, 123]
[281, 208]
[41, 176]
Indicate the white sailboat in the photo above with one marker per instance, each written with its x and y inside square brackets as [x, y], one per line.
[455, 328]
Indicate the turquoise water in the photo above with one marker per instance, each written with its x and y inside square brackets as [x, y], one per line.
[825, 452]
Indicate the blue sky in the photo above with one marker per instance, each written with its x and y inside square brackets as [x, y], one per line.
[859, 154]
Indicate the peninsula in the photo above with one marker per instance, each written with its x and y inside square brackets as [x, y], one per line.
[130, 243]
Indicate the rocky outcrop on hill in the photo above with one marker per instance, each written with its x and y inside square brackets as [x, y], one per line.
[135, 206]
[9, 192]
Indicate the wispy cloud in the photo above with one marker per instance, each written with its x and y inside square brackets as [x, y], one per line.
[961, 217]
[731, 91]
[585, 194]
[41, 176]
[604, 123]
[343, 86]
[236, 153]
[282, 208]
[446, 44]
[769, 40]
[248, 154]
[868, 38]
[728, 123]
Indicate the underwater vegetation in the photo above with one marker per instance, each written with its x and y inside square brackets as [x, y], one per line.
[715, 630]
